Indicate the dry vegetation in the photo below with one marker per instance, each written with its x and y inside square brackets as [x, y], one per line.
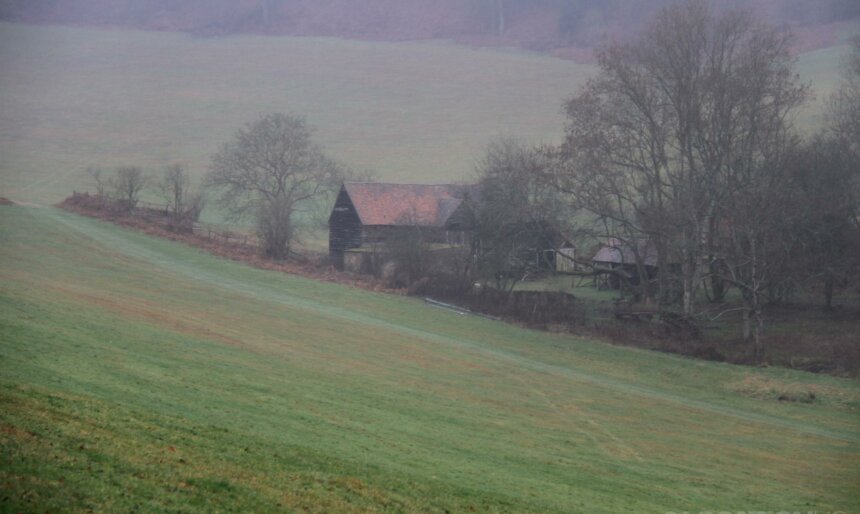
[156, 222]
[785, 391]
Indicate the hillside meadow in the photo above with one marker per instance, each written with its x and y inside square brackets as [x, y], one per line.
[138, 374]
[71, 98]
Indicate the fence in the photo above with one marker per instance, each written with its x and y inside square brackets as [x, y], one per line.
[218, 234]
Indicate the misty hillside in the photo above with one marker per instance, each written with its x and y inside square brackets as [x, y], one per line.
[564, 27]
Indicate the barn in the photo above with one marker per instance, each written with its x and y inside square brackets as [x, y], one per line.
[368, 214]
[619, 259]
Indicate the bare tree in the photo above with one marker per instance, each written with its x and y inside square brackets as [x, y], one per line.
[183, 204]
[500, 16]
[492, 14]
[827, 170]
[620, 204]
[127, 184]
[659, 140]
[271, 170]
[517, 213]
[843, 108]
[791, 212]
[264, 11]
[97, 174]
[825, 174]
[101, 183]
[759, 240]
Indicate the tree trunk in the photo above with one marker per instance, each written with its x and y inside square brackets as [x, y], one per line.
[718, 285]
[687, 297]
[500, 12]
[264, 7]
[758, 325]
[753, 324]
[691, 274]
[642, 289]
[662, 295]
[828, 292]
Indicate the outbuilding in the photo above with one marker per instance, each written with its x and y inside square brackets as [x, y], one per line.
[366, 215]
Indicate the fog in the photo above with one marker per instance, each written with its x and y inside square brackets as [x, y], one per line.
[533, 24]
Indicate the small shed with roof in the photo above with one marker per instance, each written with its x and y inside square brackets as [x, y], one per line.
[618, 260]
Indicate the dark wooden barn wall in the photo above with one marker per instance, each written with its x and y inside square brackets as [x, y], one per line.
[380, 234]
[344, 228]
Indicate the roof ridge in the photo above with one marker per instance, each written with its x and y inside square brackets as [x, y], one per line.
[381, 203]
[399, 183]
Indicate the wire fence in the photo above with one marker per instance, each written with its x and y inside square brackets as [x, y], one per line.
[218, 234]
[212, 232]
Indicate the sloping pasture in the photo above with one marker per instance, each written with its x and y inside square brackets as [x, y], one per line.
[71, 98]
[139, 374]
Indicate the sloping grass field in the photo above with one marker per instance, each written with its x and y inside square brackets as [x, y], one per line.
[142, 375]
[71, 98]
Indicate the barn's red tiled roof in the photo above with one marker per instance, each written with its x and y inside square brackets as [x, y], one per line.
[404, 204]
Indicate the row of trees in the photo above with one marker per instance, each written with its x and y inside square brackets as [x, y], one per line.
[270, 173]
[124, 185]
[585, 21]
[684, 146]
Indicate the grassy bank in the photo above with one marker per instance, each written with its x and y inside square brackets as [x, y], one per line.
[137, 373]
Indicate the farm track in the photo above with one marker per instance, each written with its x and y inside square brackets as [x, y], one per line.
[126, 246]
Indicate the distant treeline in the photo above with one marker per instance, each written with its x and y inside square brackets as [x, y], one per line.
[535, 24]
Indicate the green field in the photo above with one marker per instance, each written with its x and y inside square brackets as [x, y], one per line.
[71, 98]
[141, 375]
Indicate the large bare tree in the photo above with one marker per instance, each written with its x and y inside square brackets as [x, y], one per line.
[672, 125]
[273, 171]
[843, 109]
[825, 172]
[760, 237]
[828, 169]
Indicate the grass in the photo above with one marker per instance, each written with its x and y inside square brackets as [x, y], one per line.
[137, 374]
[579, 286]
[140, 375]
[422, 112]
[412, 112]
